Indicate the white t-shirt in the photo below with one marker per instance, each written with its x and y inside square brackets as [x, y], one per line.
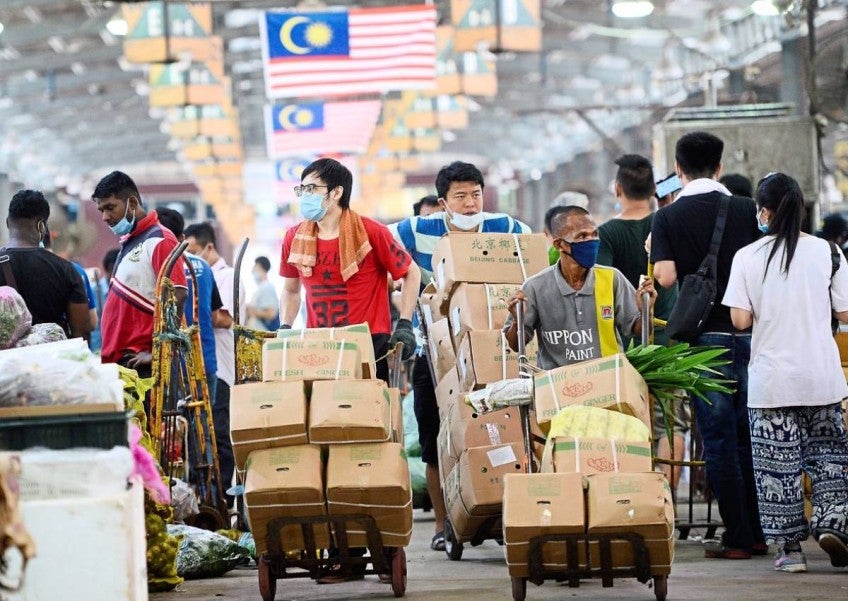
[224, 341]
[794, 358]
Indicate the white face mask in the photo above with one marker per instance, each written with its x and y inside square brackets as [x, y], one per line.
[465, 222]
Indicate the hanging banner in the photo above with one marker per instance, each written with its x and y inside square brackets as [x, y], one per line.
[173, 85]
[427, 140]
[500, 24]
[479, 75]
[320, 127]
[151, 38]
[348, 51]
[420, 114]
[452, 112]
[447, 70]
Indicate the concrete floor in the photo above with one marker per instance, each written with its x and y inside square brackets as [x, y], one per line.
[482, 576]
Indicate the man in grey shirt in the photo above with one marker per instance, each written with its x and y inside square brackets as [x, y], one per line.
[263, 308]
[577, 309]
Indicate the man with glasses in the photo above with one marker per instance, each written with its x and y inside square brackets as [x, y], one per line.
[575, 307]
[343, 260]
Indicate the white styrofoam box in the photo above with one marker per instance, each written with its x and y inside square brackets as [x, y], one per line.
[86, 548]
[74, 473]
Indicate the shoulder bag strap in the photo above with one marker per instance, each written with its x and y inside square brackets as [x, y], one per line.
[709, 262]
[6, 266]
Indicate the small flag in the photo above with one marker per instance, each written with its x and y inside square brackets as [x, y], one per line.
[318, 127]
[345, 52]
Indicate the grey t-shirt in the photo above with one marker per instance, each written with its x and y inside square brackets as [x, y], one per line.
[566, 320]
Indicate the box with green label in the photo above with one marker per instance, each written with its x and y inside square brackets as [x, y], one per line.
[542, 505]
[607, 383]
[266, 415]
[478, 307]
[595, 455]
[285, 483]
[286, 359]
[359, 334]
[371, 479]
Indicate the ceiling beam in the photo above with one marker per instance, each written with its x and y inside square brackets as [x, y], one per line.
[51, 61]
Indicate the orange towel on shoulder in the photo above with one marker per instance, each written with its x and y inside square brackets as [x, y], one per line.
[354, 245]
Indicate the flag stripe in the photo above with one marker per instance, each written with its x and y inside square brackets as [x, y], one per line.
[348, 127]
[390, 48]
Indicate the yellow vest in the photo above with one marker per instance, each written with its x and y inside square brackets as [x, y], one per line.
[605, 309]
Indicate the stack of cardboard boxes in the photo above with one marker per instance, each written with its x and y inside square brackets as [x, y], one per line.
[320, 437]
[601, 484]
[464, 310]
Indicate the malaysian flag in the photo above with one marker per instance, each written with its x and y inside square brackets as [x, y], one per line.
[320, 127]
[352, 51]
[287, 173]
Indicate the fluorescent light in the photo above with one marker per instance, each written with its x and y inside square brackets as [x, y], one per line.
[632, 9]
[1, 28]
[117, 26]
[764, 8]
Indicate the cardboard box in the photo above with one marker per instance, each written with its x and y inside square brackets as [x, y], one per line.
[448, 392]
[477, 479]
[447, 460]
[266, 415]
[609, 383]
[350, 411]
[372, 479]
[542, 505]
[440, 349]
[486, 258]
[595, 455]
[285, 483]
[470, 429]
[478, 307]
[396, 405]
[359, 334]
[484, 357]
[464, 524]
[429, 302]
[632, 503]
[293, 359]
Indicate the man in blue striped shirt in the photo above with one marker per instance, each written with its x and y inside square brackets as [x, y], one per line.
[460, 189]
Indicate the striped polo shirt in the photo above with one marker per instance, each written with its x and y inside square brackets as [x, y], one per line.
[419, 235]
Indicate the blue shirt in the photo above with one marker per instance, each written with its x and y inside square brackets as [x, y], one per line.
[205, 284]
[92, 300]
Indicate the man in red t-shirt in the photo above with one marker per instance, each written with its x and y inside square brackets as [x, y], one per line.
[127, 322]
[344, 260]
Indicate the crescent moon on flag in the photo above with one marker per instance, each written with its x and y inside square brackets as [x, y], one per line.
[285, 117]
[286, 35]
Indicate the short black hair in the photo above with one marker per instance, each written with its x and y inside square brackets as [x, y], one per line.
[431, 200]
[833, 226]
[738, 184]
[173, 220]
[264, 263]
[109, 259]
[635, 176]
[29, 204]
[698, 154]
[457, 172]
[551, 214]
[561, 216]
[117, 184]
[334, 174]
[204, 233]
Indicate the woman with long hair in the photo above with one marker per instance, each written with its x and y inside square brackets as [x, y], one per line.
[785, 286]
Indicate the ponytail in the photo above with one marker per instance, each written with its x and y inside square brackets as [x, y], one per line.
[782, 196]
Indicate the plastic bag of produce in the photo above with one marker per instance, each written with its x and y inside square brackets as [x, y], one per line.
[183, 500]
[410, 427]
[205, 554]
[41, 333]
[15, 318]
[244, 539]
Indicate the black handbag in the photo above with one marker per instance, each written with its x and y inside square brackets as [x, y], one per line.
[698, 292]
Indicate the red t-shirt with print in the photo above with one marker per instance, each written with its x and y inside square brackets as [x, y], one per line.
[364, 298]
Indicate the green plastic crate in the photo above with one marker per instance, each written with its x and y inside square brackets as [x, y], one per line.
[93, 430]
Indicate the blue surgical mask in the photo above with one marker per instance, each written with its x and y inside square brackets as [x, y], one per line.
[124, 226]
[312, 206]
[763, 227]
[585, 253]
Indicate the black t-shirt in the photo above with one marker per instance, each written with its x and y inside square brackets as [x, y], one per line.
[682, 232]
[47, 284]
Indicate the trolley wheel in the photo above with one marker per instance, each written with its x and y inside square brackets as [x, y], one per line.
[399, 572]
[208, 518]
[660, 587]
[519, 588]
[267, 580]
[453, 548]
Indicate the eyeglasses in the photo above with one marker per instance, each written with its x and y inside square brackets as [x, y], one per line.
[307, 189]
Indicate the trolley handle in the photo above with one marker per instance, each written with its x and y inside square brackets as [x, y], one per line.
[397, 364]
[524, 410]
[237, 280]
[647, 318]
